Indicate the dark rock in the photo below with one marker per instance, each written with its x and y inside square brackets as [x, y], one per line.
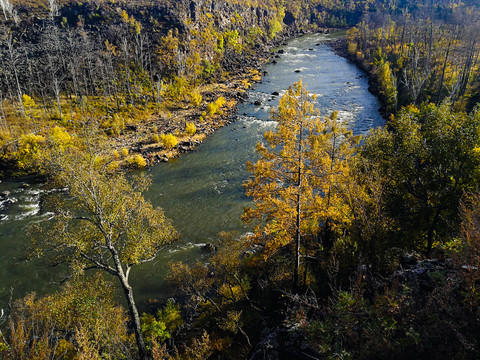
[317, 44]
[274, 62]
[311, 49]
[408, 260]
[275, 93]
[297, 71]
[281, 51]
[4, 194]
[257, 103]
[187, 143]
[277, 56]
[131, 127]
[209, 248]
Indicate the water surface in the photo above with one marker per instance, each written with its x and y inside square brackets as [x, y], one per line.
[202, 191]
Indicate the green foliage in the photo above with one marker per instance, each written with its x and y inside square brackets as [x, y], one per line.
[421, 159]
[159, 328]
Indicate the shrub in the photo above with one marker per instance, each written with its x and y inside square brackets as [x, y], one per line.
[169, 141]
[138, 161]
[190, 128]
[124, 152]
[60, 137]
[214, 108]
[196, 98]
[211, 109]
[156, 138]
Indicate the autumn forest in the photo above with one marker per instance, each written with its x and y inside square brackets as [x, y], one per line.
[356, 244]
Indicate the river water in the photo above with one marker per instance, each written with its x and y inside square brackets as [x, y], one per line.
[202, 191]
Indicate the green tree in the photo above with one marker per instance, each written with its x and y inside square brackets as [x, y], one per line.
[105, 225]
[430, 156]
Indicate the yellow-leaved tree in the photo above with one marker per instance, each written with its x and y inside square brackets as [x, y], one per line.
[296, 181]
[105, 225]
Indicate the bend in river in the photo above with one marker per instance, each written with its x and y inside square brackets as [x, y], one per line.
[202, 191]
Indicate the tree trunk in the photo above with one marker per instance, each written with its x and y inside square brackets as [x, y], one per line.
[132, 307]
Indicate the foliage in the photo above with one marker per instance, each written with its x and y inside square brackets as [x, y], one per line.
[216, 107]
[29, 150]
[60, 325]
[155, 138]
[195, 98]
[429, 159]
[169, 140]
[106, 225]
[190, 128]
[296, 182]
[138, 161]
[160, 328]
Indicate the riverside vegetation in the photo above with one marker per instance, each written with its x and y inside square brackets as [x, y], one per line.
[362, 247]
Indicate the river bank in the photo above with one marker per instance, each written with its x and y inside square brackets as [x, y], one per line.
[201, 191]
[340, 46]
[234, 89]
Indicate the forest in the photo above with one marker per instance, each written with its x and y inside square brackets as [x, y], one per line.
[361, 246]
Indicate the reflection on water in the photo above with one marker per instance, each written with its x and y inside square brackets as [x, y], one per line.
[202, 191]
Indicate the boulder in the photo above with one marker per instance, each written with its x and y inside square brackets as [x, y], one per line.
[209, 248]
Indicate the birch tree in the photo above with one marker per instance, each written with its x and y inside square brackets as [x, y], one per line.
[106, 225]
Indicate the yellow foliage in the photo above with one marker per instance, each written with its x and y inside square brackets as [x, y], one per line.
[124, 152]
[195, 98]
[60, 138]
[156, 138]
[190, 128]
[138, 161]
[29, 149]
[169, 140]
[114, 165]
[215, 107]
[28, 101]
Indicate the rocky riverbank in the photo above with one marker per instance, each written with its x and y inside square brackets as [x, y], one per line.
[138, 138]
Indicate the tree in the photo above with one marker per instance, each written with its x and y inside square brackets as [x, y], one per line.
[430, 157]
[106, 225]
[79, 321]
[296, 180]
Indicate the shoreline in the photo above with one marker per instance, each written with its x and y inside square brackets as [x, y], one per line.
[137, 139]
[339, 46]
[234, 94]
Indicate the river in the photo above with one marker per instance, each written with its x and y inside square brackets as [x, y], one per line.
[202, 191]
